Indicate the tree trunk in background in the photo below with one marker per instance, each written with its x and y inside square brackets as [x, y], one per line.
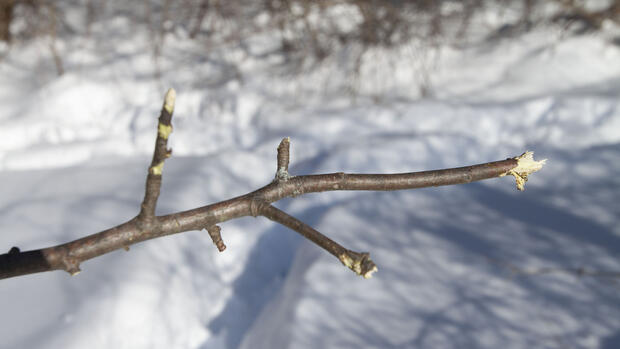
[6, 15]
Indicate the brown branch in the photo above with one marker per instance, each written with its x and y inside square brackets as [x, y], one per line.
[146, 225]
[360, 263]
[161, 153]
[215, 234]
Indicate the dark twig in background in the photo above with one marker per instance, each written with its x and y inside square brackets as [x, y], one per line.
[577, 272]
[146, 225]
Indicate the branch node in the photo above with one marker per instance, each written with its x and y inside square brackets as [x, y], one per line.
[283, 160]
[215, 234]
[257, 204]
[72, 266]
[360, 263]
[526, 165]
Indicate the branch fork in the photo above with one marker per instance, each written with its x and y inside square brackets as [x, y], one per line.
[146, 225]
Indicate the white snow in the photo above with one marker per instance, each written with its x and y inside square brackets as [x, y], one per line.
[74, 153]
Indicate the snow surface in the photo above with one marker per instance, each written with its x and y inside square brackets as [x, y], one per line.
[74, 152]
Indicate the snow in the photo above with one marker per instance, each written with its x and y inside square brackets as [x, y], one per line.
[74, 151]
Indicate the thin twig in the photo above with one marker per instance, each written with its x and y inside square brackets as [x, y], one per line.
[147, 226]
[161, 153]
[215, 234]
[360, 263]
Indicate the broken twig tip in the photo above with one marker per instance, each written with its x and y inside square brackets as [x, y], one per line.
[526, 165]
[169, 100]
[360, 263]
[215, 234]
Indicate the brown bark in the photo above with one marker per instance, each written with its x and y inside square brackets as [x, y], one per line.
[6, 17]
[147, 226]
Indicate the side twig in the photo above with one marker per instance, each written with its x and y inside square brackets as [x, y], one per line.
[146, 225]
[360, 263]
[215, 234]
[161, 153]
[283, 159]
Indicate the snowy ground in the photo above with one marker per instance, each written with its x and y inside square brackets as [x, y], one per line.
[74, 152]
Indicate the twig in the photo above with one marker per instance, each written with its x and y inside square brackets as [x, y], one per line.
[161, 153]
[215, 234]
[578, 272]
[360, 263]
[146, 225]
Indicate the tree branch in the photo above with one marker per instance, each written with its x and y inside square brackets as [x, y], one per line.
[161, 153]
[360, 263]
[146, 225]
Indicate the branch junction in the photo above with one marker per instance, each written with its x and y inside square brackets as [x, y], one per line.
[146, 225]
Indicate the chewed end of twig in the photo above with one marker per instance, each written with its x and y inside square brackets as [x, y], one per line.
[169, 100]
[526, 165]
[360, 263]
[368, 274]
[157, 169]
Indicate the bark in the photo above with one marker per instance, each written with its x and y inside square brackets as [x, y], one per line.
[146, 225]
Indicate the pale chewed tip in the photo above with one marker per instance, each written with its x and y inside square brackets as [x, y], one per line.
[360, 263]
[526, 165]
[169, 100]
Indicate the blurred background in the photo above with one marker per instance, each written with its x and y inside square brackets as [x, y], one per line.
[362, 86]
